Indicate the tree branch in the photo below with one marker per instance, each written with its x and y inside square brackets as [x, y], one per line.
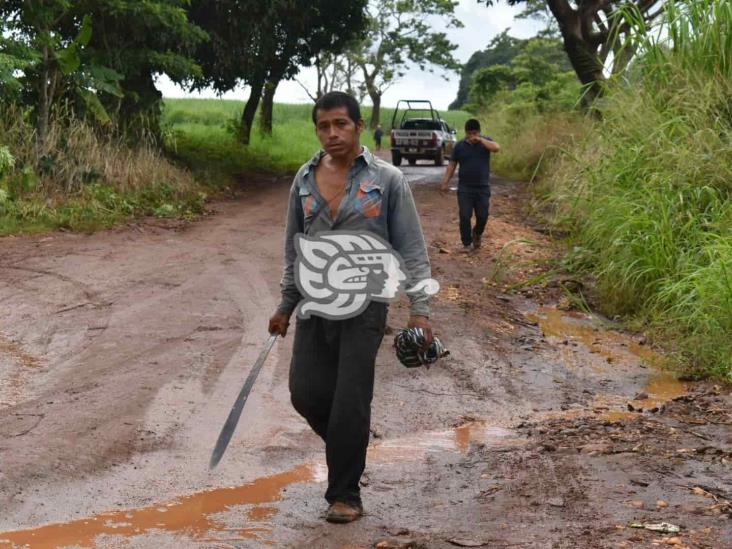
[560, 8]
[307, 91]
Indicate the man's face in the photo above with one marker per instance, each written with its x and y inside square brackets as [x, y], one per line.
[472, 136]
[338, 134]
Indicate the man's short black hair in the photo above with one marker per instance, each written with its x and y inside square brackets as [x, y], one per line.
[335, 99]
[472, 125]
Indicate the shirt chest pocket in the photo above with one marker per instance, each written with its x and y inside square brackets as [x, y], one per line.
[369, 199]
[310, 204]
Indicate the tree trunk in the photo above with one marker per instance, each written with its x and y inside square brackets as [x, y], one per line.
[375, 96]
[582, 53]
[349, 77]
[140, 109]
[265, 113]
[247, 117]
[44, 107]
[586, 65]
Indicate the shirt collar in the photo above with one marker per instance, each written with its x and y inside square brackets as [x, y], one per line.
[366, 158]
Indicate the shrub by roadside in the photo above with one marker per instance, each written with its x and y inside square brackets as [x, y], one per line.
[530, 140]
[82, 179]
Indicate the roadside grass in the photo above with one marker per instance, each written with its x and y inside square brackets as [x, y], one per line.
[201, 135]
[531, 141]
[647, 195]
[83, 180]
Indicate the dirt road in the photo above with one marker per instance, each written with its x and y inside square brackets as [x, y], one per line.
[121, 353]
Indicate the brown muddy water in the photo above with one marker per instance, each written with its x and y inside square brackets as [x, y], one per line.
[195, 515]
[609, 350]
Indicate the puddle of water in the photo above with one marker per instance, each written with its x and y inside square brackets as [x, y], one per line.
[561, 325]
[192, 515]
[189, 515]
[616, 348]
[618, 416]
[262, 513]
[415, 447]
[662, 386]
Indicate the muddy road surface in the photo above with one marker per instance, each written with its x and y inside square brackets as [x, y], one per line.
[121, 353]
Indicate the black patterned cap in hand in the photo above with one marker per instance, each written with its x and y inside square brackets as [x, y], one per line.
[408, 343]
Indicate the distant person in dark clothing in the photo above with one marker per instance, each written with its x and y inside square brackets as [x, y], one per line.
[378, 134]
[474, 191]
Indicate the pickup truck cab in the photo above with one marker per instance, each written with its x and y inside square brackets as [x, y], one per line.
[420, 137]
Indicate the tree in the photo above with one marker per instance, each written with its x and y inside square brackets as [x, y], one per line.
[307, 33]
[288, 34]
[336, 72]
[538, 77]
[51, 61]
[500, 51]
[100, 55]
[233, 54]
[591, 31]
[399, 33]
[140, 40]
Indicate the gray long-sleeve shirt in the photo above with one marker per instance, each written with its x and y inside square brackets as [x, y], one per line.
[378, 199]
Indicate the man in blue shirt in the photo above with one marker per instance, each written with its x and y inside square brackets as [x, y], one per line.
[474, 192]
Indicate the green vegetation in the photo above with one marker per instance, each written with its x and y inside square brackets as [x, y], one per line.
[262, 43]
[397, 33]
[86, 180]
[594, 34]
[648, 193]
[526, 96]
[645, 191]
[202, 135]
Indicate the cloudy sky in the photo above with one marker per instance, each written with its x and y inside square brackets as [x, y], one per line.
[481, 25]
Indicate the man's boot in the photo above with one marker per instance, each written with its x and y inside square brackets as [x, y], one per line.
[476, 240]
[342, 512]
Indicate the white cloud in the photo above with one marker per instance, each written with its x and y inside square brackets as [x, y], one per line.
[481, 25]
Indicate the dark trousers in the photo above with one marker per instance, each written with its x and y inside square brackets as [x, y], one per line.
[331, 386]
[473, 200]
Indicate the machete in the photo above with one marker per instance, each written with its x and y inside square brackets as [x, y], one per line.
[233, 419]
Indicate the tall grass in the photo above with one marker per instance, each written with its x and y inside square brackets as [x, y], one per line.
[202, 135]
[530, 141]
[648, 193]
[83, 178]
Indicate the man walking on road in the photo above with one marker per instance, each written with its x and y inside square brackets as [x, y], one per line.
[345, 187]
[474, 192]
[378, 134]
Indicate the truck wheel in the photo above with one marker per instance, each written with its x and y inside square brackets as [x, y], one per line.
[412, 161]
[396, 158]
[440, 158]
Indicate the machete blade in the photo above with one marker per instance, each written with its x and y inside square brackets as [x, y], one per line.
[228, 429]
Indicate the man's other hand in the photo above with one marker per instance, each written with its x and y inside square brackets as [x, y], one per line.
[278, 324]
[417, 321]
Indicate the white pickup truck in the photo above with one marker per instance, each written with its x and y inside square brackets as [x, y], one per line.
[415, 138]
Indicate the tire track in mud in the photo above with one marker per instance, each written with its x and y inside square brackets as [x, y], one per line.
[17, 370]
[89, 294]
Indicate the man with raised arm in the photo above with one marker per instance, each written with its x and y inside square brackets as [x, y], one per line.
[473, 154]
